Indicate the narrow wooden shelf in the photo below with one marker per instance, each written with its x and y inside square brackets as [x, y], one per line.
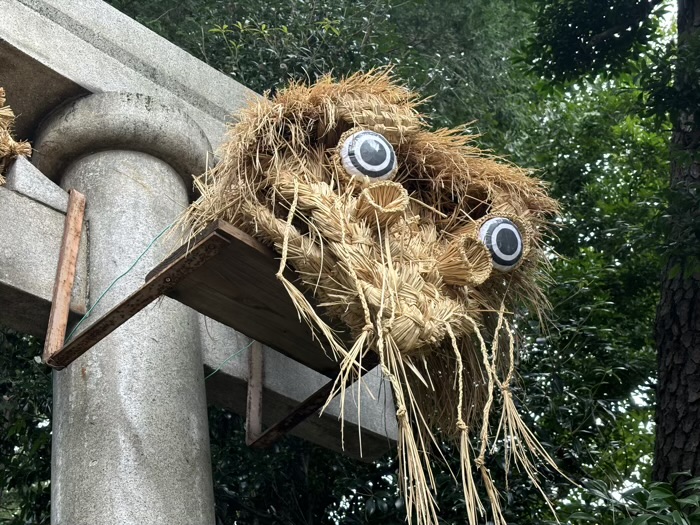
[228, 276]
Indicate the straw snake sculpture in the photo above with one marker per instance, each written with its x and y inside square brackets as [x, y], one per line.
[416, 241]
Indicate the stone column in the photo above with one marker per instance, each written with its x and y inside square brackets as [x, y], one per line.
[130, 434]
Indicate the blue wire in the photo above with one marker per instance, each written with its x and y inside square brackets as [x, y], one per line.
[87, 314]
[235, 354]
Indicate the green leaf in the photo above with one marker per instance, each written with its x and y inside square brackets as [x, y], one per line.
[582, 516]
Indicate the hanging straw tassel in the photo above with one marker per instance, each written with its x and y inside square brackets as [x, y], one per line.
[471, 497]
[415, 476]
[302, 305]
[522, 439]
[490, 366]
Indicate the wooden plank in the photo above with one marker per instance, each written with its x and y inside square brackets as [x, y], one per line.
[65, 275]
[230, 277]
[254, 407]
[239, 288]
[201, 251]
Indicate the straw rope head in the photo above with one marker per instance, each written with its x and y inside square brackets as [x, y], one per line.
[417, 241]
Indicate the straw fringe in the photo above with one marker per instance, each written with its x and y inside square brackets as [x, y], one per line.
[9, 148]
[399, 263]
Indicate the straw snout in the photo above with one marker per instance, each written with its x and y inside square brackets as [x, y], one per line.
[465, 261]
[382, 203]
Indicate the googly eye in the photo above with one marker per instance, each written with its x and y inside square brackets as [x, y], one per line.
[368, 154]
[505, 242]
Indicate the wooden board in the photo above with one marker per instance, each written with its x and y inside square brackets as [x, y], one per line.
[227, 275]
[239, 288]
[65, 275]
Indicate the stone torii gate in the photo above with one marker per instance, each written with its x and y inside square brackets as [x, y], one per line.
[127, 118]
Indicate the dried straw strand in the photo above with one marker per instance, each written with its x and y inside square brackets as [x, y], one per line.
[9, 148]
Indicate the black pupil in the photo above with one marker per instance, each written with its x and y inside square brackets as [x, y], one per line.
[373, 152]
[507, 241]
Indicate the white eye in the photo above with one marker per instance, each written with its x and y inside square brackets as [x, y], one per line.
[368, 154]
[505, 242]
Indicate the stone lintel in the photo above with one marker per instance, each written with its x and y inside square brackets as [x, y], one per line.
[86, 46]
[286, 384]
[24, 178]
[30, 241]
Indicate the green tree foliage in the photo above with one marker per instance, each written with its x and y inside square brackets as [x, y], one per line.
[296, 482]
[612, 189]
[592, 376]
[579, 37]
[25, 427]
[454, 52]
[666, 80]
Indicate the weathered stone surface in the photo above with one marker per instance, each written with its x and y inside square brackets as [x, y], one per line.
[121, 121]
[24, 178]
[30, 241]
[286, 384]
[130, 432]
[32, 88]
[94, 48]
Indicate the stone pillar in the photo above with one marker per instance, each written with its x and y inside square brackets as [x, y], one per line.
[130, 434]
